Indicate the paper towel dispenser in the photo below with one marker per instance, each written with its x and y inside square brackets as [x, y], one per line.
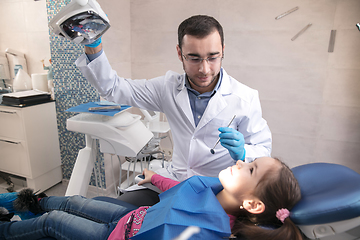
[5, 83]
[16, 61]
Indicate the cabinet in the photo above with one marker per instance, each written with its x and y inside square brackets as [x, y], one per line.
[29, 144]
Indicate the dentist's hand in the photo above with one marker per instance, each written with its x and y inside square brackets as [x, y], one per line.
[94, 44]
[148, 174]
[233, 141]
[94, 47]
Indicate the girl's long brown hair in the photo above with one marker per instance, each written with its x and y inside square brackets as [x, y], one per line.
[277, 189]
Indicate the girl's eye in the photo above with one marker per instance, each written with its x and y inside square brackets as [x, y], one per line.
[251, 170]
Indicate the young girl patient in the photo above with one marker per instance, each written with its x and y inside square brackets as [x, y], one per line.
[252, 200]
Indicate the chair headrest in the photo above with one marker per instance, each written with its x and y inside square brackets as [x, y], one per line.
[330, 193]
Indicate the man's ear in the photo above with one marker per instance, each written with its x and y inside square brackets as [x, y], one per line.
[178, 49]
[254, 206]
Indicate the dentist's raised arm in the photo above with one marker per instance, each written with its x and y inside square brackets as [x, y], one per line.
[94, 47]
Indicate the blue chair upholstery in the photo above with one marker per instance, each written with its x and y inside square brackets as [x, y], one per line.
[330, 193]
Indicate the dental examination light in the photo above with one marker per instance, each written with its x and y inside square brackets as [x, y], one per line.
[81, 21]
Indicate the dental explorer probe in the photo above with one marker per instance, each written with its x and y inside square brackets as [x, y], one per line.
[212, 150]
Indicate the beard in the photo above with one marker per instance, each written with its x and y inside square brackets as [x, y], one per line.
[193, 83]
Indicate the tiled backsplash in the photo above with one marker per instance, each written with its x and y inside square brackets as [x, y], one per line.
[71, 89]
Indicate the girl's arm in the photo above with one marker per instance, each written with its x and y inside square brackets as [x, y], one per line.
[159, 181]
[163, 183]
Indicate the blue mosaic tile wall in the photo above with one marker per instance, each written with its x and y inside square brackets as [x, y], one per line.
[71, 89]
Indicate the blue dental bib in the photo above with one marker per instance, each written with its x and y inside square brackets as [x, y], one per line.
[190, 203]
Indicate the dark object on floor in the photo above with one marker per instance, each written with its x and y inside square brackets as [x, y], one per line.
[27, 200]
[9, 182]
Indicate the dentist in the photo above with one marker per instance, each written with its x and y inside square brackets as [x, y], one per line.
[198, 104]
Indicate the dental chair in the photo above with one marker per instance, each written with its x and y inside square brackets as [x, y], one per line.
[330, 204]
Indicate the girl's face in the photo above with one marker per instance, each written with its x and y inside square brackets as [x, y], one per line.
[241, 179]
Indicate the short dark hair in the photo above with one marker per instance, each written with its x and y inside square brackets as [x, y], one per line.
[199, 26]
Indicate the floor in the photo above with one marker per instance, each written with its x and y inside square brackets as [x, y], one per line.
[60, 189]
[57, 190]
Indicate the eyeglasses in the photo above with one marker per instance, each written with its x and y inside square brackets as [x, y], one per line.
[198, 60]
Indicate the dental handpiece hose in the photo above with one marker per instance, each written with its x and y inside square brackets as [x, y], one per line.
[212, 150]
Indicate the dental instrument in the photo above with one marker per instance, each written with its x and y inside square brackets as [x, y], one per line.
[287, 13]
[104, 109]
[81, 21]
[301, 32]
[139, 178]
[212, 150]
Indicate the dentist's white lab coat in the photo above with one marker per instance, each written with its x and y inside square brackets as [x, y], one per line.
[192, 144]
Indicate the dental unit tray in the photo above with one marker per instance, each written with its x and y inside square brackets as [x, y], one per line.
[81, 21]
[84, 108]
[123, 135]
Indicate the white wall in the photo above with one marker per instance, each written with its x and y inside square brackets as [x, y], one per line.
[117, 39]
[310, 98]
[24, 28]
